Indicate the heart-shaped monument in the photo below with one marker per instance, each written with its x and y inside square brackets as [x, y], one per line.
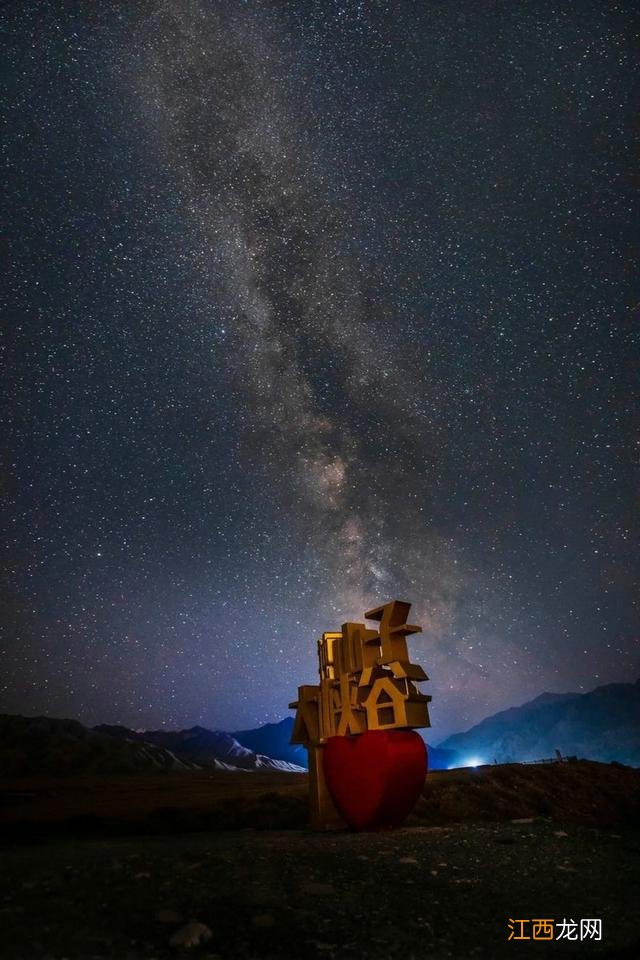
[375, 777]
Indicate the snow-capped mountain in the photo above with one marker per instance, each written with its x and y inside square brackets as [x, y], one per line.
[207, 748]
[34, 745]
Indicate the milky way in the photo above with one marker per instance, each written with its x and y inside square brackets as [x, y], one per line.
[314, 306]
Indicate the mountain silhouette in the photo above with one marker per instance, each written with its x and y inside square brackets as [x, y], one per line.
[206, 748]
[45, 745]
[603, 724]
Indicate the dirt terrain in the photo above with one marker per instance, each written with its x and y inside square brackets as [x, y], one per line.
[595, 794]
[512, 842]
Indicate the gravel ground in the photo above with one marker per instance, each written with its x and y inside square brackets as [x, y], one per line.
[414, 893]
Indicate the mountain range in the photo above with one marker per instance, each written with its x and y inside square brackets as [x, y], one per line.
[42, 745]
[206, 748]
[603, 724]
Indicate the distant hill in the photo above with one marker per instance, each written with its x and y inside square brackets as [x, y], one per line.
[43, 745]
[603, 725]
[207, 748]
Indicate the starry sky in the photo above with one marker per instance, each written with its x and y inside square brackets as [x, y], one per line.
[309, 306]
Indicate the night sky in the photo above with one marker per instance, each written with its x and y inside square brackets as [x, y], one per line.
[310, 306]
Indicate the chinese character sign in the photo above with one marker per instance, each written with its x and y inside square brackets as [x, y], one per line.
[366, 766]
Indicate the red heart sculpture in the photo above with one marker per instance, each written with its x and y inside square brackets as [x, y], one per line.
[375, 777]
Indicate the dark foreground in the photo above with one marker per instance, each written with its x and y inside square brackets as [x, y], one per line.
[418, 892]
[116, 867]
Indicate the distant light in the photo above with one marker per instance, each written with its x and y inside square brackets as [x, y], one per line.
[473, 762]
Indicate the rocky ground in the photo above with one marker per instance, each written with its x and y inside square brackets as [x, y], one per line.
[419, 892]
[224, 866]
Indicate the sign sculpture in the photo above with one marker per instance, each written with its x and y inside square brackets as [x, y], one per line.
[366, 765]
